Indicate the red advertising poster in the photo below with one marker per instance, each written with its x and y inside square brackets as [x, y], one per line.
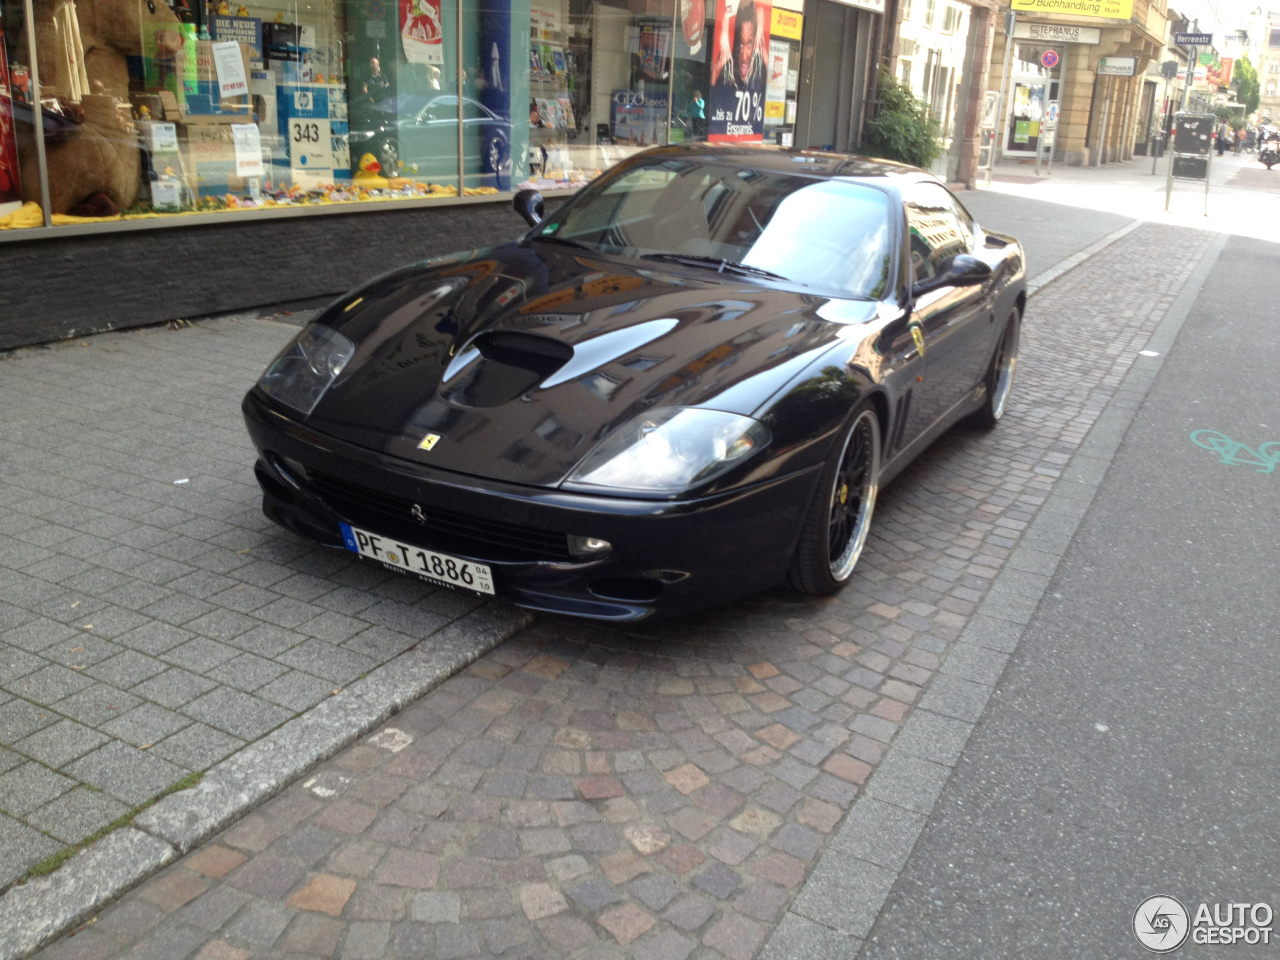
[10, 189]
[735, 107]
[422, 31]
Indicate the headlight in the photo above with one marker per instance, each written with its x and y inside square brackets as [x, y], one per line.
[669, 450]
[303, 371]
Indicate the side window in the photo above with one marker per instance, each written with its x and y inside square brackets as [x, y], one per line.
[939, 228]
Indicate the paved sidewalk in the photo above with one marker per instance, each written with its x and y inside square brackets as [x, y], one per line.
[152, 621]
[664, 792]
[1244, 197]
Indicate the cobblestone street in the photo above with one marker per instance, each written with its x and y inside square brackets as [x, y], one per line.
[661, 792]
[152, 620]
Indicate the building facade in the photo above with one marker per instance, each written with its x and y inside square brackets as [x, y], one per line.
[1076, 68]
[941, 49]
[167, 158]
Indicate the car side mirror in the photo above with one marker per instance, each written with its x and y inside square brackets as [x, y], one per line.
[962, 270]
[529, 204]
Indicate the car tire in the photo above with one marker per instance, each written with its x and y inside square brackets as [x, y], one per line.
[999, 377]
[839, 515]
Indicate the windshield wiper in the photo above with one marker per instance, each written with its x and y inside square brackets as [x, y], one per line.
[565, 241]
[719, 264]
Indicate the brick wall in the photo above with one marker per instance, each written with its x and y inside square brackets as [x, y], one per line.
[51, 289]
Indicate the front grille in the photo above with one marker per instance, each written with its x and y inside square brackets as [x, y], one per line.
[443, 529]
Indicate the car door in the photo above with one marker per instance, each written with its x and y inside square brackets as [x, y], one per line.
[953, 320]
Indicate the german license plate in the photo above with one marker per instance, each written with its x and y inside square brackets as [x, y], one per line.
[436, 567]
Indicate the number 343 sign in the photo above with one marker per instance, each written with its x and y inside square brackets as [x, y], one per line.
[305, 122]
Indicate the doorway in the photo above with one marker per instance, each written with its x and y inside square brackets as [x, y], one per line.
[1037, 72]
[838, 42]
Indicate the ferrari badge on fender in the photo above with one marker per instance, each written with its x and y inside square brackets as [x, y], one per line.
[429, 441]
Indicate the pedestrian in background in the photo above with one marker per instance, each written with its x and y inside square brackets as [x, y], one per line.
[1224, 131]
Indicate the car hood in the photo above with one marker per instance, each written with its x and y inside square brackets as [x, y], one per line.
[521, 358]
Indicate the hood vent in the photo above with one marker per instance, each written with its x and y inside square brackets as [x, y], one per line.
[498, 366]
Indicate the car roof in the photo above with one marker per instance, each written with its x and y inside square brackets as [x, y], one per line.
[806, 161]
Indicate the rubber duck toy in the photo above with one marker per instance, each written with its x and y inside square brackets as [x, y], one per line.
[369, 174]
[224, 9]
[243, 11]
[279, 16]
[144, 112]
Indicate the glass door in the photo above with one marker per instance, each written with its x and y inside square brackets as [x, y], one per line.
[1037, 70]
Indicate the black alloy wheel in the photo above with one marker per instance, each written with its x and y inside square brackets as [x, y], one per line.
[839, 516]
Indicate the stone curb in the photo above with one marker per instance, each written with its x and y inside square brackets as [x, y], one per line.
[836, 908]
[1067, 264]
[33, 914]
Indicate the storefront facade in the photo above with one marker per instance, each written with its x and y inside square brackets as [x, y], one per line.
[367, 130]
[1081, 73]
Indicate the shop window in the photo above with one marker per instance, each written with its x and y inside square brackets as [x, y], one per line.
[175, 107]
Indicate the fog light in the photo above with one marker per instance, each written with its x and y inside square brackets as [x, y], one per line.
[588, 546]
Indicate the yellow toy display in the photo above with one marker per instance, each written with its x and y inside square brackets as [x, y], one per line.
[82, 50]
[369, 174]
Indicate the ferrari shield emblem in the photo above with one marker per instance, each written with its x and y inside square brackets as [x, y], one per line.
[916, 335]
[429, 441]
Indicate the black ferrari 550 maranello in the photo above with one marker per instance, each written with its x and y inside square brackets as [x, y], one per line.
[684, 386]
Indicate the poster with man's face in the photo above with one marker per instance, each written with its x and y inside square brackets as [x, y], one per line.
[739, 76]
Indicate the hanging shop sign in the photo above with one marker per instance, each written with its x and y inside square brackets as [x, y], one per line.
[1117, 66]
[786, 24]
[1057, 33]
[422, 31]
[1099, 9]
[739, 75]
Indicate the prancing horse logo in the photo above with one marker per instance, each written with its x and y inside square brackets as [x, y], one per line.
[418, 515]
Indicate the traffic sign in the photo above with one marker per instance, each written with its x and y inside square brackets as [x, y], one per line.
[1049, 59]
[1193, 39]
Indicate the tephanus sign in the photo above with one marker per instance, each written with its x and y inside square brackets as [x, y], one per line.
[1103, 9]
[1117, 66]
[1057, 33]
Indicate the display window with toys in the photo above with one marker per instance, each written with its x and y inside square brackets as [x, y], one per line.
[138, 109]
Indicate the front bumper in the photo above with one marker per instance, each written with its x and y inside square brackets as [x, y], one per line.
[667, 557]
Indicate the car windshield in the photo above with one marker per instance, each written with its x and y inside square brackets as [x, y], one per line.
[821, 233]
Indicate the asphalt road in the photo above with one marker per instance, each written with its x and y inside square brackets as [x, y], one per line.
[1048, 231]
[1131, 746]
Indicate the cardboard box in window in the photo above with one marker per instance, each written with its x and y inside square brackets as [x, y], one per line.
[209, 159]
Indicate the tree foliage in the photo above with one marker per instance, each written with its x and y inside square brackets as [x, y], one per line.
[1247, 87]
[902, 130]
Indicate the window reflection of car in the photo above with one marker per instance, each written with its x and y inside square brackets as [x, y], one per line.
[412, 129]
